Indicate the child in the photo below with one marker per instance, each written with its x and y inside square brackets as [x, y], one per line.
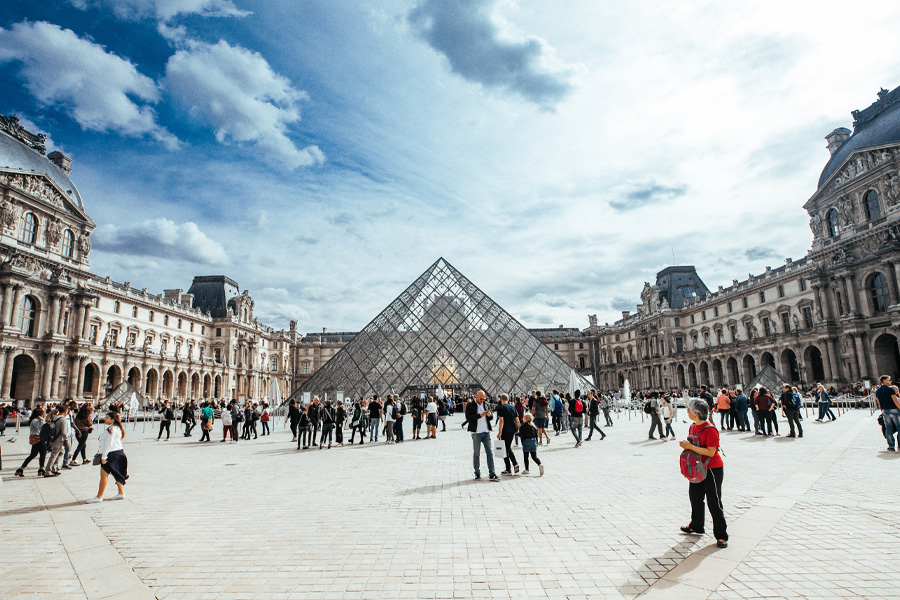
[529, 433]
[303, 434]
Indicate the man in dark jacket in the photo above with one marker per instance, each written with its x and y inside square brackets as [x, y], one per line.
[593, 413]
[478, 422]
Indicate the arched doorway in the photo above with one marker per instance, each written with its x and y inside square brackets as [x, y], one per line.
[680, 376]
[731, 366]
[704, 373]
[767, 360]
[168, 384]
[749, 368]
[718, 373]
[814, 366]
[207, 382]
[91, 382]
[789, 366]
[21, 387]
[217, 387]
[195, 386]
[150, 387]
[887, 356]
[692, 375]
[134, 378]
[113, 377]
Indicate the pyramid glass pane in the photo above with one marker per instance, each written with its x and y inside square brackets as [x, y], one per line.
[442, 330]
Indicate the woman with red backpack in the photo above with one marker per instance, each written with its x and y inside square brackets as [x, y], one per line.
[705, 481]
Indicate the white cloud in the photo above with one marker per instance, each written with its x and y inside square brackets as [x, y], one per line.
[162, 238]
[100, 90]
[164, 9]
[237, 93]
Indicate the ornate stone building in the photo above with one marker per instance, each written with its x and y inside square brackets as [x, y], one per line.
[833, 316]
[67, 333]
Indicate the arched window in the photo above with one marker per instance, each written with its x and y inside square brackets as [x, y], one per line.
[68, 243]
[28, 315]
[834, 226]
[878, 287]
[873, 210]
[29, 231]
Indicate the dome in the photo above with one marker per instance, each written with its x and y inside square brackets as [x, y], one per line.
[16, 153]
[875, 126]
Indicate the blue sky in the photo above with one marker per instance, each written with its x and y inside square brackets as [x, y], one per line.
[324, 153]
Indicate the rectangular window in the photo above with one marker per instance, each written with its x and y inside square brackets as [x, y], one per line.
[218, 332]
[94, 332]
[734, 333]
[134, 312]
[802, 285]
[581, 345]
[218, 354]
[746, 303]
[762, 297]
[720, 337]
[840, 303]
[703, 315]
[306, 368]
[677, 322]
[117, 306]
[166, 320]
[716, 311]
[749, 327]
[807, 317]
[689, 292]
[65, 325]
[679, 344]
[692, 319]
[618, 356]
[192, 327]
[132, 339]
[617, 337]
[556, 346]
[114, 337]
[730, 307]
[786, 322]
[767, 330]
[781, 291]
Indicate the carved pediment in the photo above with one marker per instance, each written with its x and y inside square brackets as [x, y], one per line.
[43, 189]
[858, 163]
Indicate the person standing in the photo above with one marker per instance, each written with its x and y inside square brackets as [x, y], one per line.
[539, 415]
[399, 412]
[478, 422]
[529, 434]
[375, 419]
[604, 404]
[576, 416]
[593, 414]
[37, 441]
[556, 411]
[112, 457]
[304, 437]
[416, 411]
[889, 403]
[765, 404]
[710, 488]
[655, 421]
[707, 397]
[264, 419]
[328, 418]
[166, 418]
[358, 423]
[442, 414]
[431, 419]
[313, 411]
[723, 407]
[237, 417]
[389, 421]
[226, 416]
[790, 404]
[668, 413]
[754, 408]
[507, 429]
[293, 417]
[188, 419]
[824, 402]
[741, 406]
[83, 427]
[207, 419]
[340, 415]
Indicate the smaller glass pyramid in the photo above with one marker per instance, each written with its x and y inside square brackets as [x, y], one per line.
[442, 331]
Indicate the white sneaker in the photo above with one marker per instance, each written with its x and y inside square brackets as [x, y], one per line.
[541, 467]
[118, 497]
[94, 500]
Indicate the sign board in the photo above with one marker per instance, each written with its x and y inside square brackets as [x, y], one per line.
[242, 399]
[339, 396]
[306, 398]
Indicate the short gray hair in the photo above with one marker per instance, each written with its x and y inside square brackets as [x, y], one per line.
[699, 407]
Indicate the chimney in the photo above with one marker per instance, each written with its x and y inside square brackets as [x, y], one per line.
[173, 296]
[837, 138]
[61, 160]
[625, 314]
[324, 330]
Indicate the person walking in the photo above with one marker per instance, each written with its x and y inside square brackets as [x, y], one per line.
[576, 416]
[38, 442]
[790, 405]
[507, 428]
[237, 417]
[668, 413]
[710, 489]
[188, 419]
[226, 417]
[165, 422]
[889, 403]
[442, 414]
[593, 414]
[375, 419]
[540, 414]
[604, 405]
[328, 417]
[655, 421]
[556, 411]
[83, 426]
[358, 423]
[723, 407]
[416, 412]
[824, 402]
[304, 435]
[529, 435]
[59, 438]
[313, 411]
[207, 418]
[264, 419]
[293, 417]
[754, 408]
[112, 457]
[478, 422]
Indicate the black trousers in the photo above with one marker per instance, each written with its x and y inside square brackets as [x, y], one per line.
[534, 457]
[339, 433]
[82, 437]
[294, 429]
[234, 431]
[557, 423]
[205, 436]
[710, 490]
[164, 425]
[793, 416]
[314, 431]
[303, 438]
[765, 421]
[510, 458]
[40, 450]
[655, 423]
[592, 426]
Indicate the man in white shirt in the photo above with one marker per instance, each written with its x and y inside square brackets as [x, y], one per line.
[431, 418]
[478, 419]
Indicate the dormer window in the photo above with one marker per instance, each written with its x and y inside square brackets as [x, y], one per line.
[834, 226]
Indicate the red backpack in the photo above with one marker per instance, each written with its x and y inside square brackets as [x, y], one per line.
[693, 465]
[579, 406]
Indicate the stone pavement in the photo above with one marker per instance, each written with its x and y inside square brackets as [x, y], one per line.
[810, 518]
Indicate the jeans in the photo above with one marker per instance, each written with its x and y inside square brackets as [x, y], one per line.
[709, 489]
[724, 420]
[891, 425]
[793, 416]
[825, 410]
[743, 421]
[82, 438]
[374, 426]
[482, 439]
[303, 438]
[756, 421]
[398, 429]
[606, 416]
[655, 423]
[765, 422]
[593, 425]
[188, 426]
[234, 431]
[164, 425]
[575, 425]
[557, 422]
[265, 427]
[388, 431]
[327, 429]
[510, 458]
[669, 430]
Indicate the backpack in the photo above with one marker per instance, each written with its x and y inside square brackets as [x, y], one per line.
[55, 429]
[237, 416]
[694, 466]
[46, 432]
[557, 405]
[798, 402]
[169, 416]
[579, 406]
[648, 408]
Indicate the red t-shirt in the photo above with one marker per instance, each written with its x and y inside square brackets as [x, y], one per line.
[709, 438]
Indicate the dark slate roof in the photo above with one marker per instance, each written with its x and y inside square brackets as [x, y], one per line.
[16, 155]
[675, 283]
[330, 338]
[212, 293]
[556, 332]
[875, 126]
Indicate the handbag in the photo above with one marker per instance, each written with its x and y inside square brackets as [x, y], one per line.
[97, 460]
[34, 439]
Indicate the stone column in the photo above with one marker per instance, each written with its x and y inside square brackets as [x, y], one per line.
[46, 366]
[77, 319]
[4, 359]
[61, 317]
[54, 314]
[4, 299]
[827, 362]
[858, 351]
[8, 373]
[852, 299]
[54, 387]
[835, 365]
[86, 321]
[17, 295]
[79, 386]
[864, 369]
[891, 274]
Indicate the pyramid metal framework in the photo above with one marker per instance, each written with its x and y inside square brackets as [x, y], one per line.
[442, 331]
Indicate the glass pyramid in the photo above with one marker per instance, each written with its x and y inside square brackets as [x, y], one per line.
[442, 331]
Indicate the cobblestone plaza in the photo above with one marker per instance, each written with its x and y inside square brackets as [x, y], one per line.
[808, 518]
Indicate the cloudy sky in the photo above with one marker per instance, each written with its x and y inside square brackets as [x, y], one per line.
[324, 153]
